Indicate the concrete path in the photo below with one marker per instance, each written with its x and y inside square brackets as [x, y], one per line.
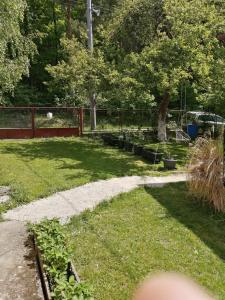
[18, 272]
[72, 202]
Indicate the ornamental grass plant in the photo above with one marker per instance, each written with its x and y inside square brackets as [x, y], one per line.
[206, 180]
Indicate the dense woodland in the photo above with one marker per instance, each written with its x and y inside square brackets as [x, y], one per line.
[147, 53]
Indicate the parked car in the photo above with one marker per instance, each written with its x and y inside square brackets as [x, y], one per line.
[198, 118]
[202, 123]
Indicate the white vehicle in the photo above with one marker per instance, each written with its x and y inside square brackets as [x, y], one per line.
[201, 118]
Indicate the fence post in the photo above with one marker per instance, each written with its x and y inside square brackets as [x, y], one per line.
[81, 120]
[33, 120]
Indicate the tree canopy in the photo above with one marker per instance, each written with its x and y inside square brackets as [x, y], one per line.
[144, 51]
[16, 45]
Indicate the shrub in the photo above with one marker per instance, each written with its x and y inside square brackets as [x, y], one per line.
[206, 173]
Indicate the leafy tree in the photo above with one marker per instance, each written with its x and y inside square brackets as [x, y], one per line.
[145, 50]
[185, 49]
[123, 88]
[16, 46]
[78, 75]
[132, 26]
[47, 22]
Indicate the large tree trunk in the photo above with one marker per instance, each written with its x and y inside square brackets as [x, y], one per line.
[163, 109]
[93, 111]
[69, 19]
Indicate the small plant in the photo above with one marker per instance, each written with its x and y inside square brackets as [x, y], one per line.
[172, 125]
[69, 289]
[169, 155]
[169, 160]
[138, 137]
[52, 242]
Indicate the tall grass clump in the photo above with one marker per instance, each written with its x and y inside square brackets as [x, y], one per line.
[206, 173]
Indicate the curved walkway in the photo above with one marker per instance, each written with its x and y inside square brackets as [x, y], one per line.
[72, 202]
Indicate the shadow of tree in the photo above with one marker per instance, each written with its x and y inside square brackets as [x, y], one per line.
[201, 220]
[39, 168]
[80, 157]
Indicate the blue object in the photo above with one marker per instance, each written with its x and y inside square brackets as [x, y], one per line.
[192, 131]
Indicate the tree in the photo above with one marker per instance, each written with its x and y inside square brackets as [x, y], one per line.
[16, 46]
[133, 25]
[185, 49]
[47, 22]
[77, 75]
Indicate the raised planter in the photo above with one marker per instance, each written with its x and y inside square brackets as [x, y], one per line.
[121, 144]
[106, 139]
[45, 282]
[110, 140]
[170, 164]
[114, 141]
[138, 149]
[128, 146]
[152, 156]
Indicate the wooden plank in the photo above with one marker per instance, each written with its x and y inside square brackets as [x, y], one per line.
[16, 133]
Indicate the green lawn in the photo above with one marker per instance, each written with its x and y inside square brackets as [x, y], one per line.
[37, 168]
[145, 231]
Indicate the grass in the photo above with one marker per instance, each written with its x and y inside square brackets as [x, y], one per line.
[37, 168]
[145, 231]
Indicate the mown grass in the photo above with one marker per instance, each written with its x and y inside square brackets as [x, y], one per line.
[37, 168]
[146, 231]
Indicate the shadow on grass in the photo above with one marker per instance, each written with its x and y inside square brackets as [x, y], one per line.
[82, 156]
[201, 220]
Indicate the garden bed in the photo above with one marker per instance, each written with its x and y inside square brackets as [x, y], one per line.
[58, 276]
[142, 143]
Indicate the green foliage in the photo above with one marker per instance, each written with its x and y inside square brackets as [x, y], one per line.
[52, 242]
[185, 48]
[79, 75]
[142, 48]
[16, 46]
[123, 88]
[47, 22]
[66, 290]
[132, 26]
[25, 94]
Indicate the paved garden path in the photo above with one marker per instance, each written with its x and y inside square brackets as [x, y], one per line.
[18, 273]
[72, 202]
